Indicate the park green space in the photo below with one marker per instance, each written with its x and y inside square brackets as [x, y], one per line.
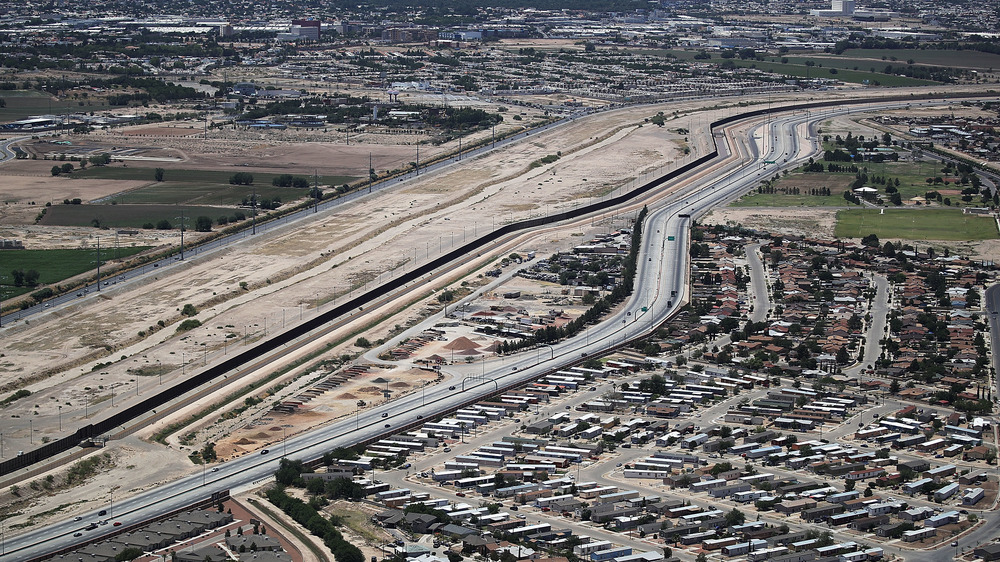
[796, 67]
[912, 178]
[936, 57]
[54, 266]
[129, 216]
[835, 199]
[915, 224]
[22, 104]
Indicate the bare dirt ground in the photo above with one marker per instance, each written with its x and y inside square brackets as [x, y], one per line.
[75, 355]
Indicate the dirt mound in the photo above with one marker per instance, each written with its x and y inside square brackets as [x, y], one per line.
[275, 428]
[346, 396]
[244, 441]
[370, 389]
[399, 385]
[461, 344]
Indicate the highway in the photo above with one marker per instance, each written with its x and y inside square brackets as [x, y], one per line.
[660, 287]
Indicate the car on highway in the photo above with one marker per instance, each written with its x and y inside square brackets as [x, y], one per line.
[78, 534]
[264, 452]
[387, 425]
[385, 414]
[118, 524]
[447, 449]
[215, 469]
[420, 417]
[521, 516]
[460, 494]
[102, 512]
[77, 518]
[451, 388]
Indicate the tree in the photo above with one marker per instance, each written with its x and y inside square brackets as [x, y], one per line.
[163, 224]
[241, 178]
[735, 517]
[56, 170]
[158, 174]
[189, 310]
[208, 453]
[849, 485]
[203, 224]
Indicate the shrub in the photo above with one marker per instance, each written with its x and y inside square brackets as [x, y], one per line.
[188, 324]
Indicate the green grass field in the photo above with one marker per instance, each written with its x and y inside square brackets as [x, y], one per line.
[128, 216]
[936, 57]
[193, 193]
[796, 67]
[198, 187]
[844, 72]
[55, 265]
[22, 104]
[915, 224]
[201, 177]
[783, 200]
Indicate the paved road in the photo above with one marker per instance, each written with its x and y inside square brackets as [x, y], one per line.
[876, 327]
[660, 284]
[758, 284]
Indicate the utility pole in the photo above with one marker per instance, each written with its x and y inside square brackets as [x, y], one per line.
[183, 226]
[371, 173]
[98, 263]
[253, 210]
[418, 158]
[316, 190]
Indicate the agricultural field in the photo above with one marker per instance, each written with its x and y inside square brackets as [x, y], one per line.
[130, 216]
[915, 224]
[204, 194]
[54, 266]
[22, 104]
[204, 177]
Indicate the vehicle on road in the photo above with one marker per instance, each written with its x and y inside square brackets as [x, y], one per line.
[264, 452]
[78, 534]
[102, 512]
[385, 414]
[451, 388]
[77, 518]
[447, 449]
[387, 425]
[460, 494]
[118, 524]
[215, 469]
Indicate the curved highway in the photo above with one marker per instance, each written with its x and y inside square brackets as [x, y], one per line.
[660, 287]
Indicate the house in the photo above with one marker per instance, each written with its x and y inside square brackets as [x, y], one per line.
[988, 552]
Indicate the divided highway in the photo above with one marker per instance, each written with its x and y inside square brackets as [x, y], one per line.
[660, 287]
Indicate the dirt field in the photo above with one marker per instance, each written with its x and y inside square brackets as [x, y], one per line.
[73, 356]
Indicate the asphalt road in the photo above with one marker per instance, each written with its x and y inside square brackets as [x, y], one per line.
[662, 270]
[758, 284]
